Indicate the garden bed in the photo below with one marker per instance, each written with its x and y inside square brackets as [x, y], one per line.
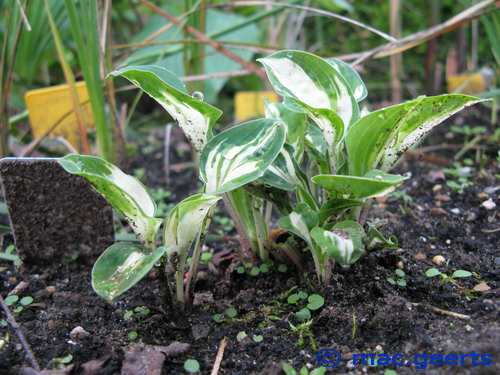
[363, 311]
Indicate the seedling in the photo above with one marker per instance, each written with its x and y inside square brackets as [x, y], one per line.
[432, 272]
[315, 302]
[398, 278]
[289, 370]
[19, 305]
[192, 366]
[254, 270]
[137, 312]
[228, 315]
[257, 166]
[61, 363]
[132, 335]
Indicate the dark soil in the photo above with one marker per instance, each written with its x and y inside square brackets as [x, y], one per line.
[389, 318]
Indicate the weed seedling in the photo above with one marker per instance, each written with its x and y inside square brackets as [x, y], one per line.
[228, 316]
[398, 278]
[432, 272]
[289, 370]
[192, 366]
[12, 301]
[314, 302]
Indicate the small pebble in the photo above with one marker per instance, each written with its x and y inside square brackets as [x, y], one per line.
[468, 328]
[50, 289]
[420, 256]
[439, 260]
[456, 211]
[489, 204]
[482, 287]
[399, 250]
[437, 187]
[483, 196]
[400, 265]
[78, 333]
[448, 242]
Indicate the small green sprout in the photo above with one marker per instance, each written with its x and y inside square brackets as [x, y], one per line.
[315, 302]
[257, 338]
[228, 315]
[432, 272]
[398, 278]
[241, 336]
[132, 335]
[61, 363]
[192, 366]
[289, 370]
[12, 302]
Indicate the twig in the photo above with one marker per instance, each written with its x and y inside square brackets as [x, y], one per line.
[17, 328]
[444, 312]
[218, 357]
[423, 36]
[490, 230]
[310, 9]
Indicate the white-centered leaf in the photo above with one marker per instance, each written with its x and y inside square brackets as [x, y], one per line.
[374, 184]
[125, 193]
[194, 116]
[352, 77]
[241, 154]
[296, 126]
[300, 222]
[317, 87]
[284, 172]
[184, 222]
[344, 242]
[381, 137]
[121, 266]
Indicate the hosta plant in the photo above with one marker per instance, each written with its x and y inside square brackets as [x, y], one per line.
[316, 149]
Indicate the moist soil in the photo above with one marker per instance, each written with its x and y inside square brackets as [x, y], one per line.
[363, 311]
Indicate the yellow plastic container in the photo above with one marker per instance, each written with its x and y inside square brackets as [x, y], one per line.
[250, 104]
[51, 105]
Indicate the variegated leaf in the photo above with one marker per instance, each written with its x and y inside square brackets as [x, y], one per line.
[284, 172]
[183, 223]
[381, 137]
[195, 117]
[296, 126]
[333, 207]
[315, 142]
[300, 222]
[240, 154]
[344, 242]
[376, 241]
[311, 81]
[125, 193]
[374, 184]
[352, 77]
[121, 266]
